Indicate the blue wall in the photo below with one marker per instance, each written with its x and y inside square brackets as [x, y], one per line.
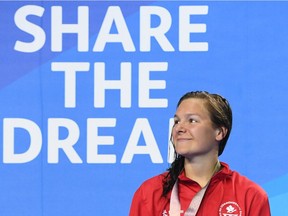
[79, 138]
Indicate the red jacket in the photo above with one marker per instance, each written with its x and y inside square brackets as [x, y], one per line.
[228, 194]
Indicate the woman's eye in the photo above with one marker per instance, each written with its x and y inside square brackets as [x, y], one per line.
[176, 122]
[192, 120]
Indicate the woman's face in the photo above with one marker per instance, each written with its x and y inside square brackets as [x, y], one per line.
[193, 132]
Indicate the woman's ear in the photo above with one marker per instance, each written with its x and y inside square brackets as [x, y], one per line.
[221, 133]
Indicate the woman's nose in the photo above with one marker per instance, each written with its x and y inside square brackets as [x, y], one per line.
[179, 128]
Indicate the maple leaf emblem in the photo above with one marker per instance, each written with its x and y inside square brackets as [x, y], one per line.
[230, 209]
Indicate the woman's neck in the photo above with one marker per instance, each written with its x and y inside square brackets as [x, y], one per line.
[201, 171]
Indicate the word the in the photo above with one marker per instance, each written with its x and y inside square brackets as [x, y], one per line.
[124, 85]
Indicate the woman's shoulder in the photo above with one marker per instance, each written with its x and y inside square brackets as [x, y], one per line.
[155, 181]
[247, 184]
[150, 191]
[241, 182]
[148, 199]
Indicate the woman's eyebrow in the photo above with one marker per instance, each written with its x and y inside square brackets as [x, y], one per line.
[187, 115]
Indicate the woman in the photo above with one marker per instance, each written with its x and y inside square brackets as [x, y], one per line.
[197, 183]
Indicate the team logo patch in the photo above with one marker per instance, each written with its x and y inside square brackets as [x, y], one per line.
[230, 209]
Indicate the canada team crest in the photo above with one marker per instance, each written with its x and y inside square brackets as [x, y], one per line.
[230, 209]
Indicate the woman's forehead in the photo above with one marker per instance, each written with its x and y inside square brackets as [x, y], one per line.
[193, 106]
[192, 103]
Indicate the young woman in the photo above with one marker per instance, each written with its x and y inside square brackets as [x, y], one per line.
[197, 183]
